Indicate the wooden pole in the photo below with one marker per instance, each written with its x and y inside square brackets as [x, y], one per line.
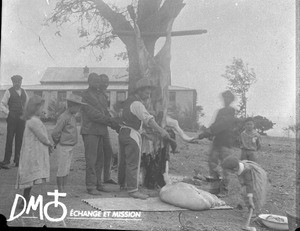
[161, 34]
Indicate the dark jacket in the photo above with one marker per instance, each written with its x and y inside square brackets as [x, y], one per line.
[223, 127]
[95, 116]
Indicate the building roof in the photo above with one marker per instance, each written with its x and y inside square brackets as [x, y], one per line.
[177, 88]
[80, 86]
[75, 74]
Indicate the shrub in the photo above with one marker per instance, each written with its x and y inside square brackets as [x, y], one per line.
[55, 109]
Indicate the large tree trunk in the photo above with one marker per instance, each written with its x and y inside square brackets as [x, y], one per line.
[152, 17]
[158, 70]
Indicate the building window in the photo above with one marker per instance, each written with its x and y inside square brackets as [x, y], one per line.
[121, 96]
[61, 96]
[108, 98]
[172, 96]
[172, 99]
[39, 93]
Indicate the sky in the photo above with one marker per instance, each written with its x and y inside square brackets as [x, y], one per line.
[261, 33]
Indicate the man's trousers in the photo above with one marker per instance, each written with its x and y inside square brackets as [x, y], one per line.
[129, 159]
[15, 129]
[98, 157]
[216, 156]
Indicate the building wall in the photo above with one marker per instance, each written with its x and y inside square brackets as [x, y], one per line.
[183, 99]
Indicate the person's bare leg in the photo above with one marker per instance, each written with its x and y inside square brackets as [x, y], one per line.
[65, 180]
[26, 195]
[59, 181]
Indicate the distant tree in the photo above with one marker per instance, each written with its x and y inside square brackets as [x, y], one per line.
[294, 128]
[286, 131]
[291, 128]
[262, 124]
[55, 109]
[240, 78]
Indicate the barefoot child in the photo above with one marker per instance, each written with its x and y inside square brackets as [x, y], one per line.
[65, 136]
[253, 179]
[250, 141]
[34, 166]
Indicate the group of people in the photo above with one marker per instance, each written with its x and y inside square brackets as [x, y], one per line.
[33, 145]
[222, 161]
[23, 117]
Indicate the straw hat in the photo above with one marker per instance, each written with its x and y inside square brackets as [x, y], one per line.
[75, 99]
[144, 82]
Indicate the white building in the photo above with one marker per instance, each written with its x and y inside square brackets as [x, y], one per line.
[58, 82]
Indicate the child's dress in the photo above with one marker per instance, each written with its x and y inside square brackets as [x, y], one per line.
[34, 165]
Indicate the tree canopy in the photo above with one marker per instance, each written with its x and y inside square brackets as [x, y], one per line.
[102, 22]
[262, 124]
[240, 78]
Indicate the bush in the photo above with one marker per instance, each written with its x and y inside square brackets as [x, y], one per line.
[187, 118]
[55, 109]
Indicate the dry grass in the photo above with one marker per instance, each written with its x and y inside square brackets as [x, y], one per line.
[277, 157]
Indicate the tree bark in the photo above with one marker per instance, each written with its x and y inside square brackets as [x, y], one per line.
[151, 18]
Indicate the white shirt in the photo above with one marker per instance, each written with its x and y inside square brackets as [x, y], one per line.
[139, 110]
[4, 102]
[241, 168]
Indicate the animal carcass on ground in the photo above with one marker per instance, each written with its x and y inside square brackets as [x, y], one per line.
[188, 196]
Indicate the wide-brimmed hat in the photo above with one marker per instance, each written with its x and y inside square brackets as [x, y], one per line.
[144, 82]
[16, 77]
[75, 99]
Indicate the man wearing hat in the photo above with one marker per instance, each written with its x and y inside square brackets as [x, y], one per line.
[65, 137]
[133, 116]
[12, 105]
[107, 148]
[95, 119]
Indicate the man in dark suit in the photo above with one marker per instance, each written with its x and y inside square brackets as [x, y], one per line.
[12, 105]
[95, 119]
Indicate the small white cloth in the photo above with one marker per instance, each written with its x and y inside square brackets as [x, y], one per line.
[174, 124]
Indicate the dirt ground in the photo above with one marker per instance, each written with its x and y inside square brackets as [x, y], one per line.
[277, 157]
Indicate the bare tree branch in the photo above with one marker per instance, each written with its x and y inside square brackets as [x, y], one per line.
[117, 20]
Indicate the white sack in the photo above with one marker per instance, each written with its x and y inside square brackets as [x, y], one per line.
[188, 196]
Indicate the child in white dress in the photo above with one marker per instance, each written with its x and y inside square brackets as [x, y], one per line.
[34, 166]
